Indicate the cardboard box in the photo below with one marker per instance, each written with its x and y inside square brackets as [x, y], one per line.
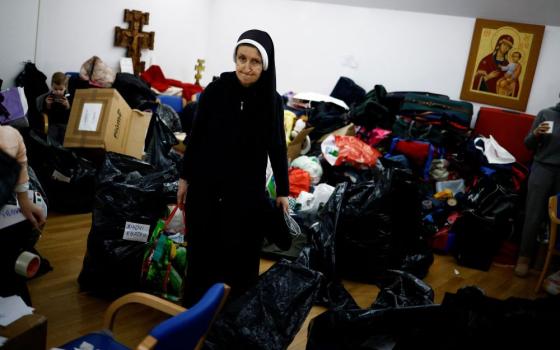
[294, 148]
[348, 130]
[101, 118]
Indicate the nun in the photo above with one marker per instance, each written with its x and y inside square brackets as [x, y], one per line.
[238, 125]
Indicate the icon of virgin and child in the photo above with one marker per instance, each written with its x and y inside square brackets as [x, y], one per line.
[499, 71]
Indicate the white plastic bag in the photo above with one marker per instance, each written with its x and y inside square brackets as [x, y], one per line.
[310, 202]
[494, 153]
[454, 185]
[311, 165]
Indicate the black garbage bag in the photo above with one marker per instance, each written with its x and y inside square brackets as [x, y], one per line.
[376, 225]
[392, 328]
[380, 326]
[133, 89]
[331, 293]
[371, 111]
[269, 315]
[364, 232]
[334, 175]
[67, 178]
[128, 191]
[403, 289]
[165, 112]
[159, 141]
[9, 173]
[483, 322]
[413, 252]
[465, 320]
[348, 91]
[326, 117]
[320, 255]
[477, 240]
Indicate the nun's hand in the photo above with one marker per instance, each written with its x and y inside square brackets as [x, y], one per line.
[282, 202]
[182, 193]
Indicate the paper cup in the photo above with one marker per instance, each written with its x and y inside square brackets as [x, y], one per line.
[27, 264]
[550, 126]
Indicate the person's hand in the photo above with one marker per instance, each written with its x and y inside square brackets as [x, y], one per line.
[31, 211]
[63, 100]
[541, 129]
[282, 202]
[49, 100]
[182, 193]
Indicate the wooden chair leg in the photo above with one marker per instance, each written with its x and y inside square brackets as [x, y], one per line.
[544, 268]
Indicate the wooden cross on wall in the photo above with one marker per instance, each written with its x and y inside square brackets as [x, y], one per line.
[133, 38]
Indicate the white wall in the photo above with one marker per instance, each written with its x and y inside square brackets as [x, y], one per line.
[59, 35]
[315, 43]
[18, 25]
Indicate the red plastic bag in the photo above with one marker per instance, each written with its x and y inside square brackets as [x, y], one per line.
[340, 150]
[416, 151]
[300, 180]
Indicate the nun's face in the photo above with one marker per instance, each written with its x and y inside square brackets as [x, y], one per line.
[248, 65]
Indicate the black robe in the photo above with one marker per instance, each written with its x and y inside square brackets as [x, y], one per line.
[225, 166]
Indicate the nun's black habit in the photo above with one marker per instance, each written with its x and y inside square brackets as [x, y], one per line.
[234, 130]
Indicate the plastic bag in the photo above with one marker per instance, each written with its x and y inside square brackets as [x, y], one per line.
[300, 180]
[269, 315]
[338, 150]
[165, 261]
[159, 141]
[69, 180]
[128, 191]
[275, 226]
[494, 153]
[375, 225]
[310, 202]
[377, 135]
[454, 185]
[97, 72]
[311, 165]
[403, 290]
[402, 307]
[293, 226]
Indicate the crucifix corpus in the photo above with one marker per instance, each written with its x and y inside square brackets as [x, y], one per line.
[133, 38]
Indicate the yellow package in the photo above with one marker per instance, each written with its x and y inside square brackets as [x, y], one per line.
[289, 119]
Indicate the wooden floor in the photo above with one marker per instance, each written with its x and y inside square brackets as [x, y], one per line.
[71, 313]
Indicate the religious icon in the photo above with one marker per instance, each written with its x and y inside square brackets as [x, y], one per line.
[133, 38]
[502, 63]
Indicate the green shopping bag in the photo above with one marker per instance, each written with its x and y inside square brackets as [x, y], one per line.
[165, 261]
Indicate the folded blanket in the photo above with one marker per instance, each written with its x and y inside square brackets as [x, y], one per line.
[157, 80]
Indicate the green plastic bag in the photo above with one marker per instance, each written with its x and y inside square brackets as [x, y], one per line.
[165, 262]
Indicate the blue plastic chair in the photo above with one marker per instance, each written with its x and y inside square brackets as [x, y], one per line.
[187, 329]
[175, 102]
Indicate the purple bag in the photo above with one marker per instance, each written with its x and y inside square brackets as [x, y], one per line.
[13, 107]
